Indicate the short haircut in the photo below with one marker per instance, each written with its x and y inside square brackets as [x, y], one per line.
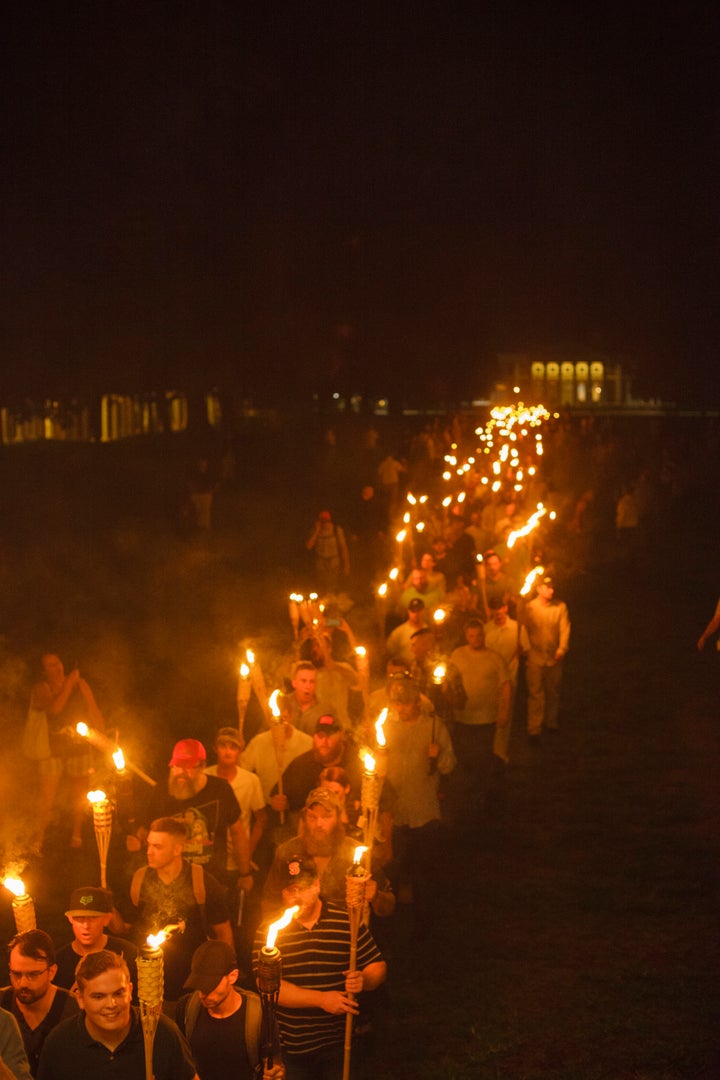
[97, 963]
[36, 944]
[303, 665]
[334, 774]
[171, 826]
[473, 624]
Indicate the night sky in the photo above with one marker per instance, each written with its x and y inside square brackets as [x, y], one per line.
[310, 197]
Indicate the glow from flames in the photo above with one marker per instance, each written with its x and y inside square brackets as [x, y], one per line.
[380, 728]
[276, 927]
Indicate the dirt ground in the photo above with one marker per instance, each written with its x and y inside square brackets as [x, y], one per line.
[579, 937]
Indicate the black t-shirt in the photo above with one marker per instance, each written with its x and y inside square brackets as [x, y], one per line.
[163, 905]
[67, 960]
[64, 1005]
[218, 1046]
[207, 816]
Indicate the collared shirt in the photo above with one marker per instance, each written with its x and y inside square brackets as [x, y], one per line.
[71, 1053]
[64, 1005]
[483, 673]
[548, 629]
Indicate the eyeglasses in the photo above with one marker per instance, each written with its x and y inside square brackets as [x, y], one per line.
[31, 976]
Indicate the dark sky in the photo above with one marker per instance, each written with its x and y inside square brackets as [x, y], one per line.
[305, 196]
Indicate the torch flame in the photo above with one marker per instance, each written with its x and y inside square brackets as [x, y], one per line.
[250, 656]
[119, 759]
[379, 728]
[382, 590]
[273, 704]
[15, 886]
[439, 615]
[244, 671]
[361, 651]
[96, 796]
[156, 940]
[401, 536]
[530, 579]
[276, 927]
[439, 673]
[82, 729]
[359, 852]
[369, 762]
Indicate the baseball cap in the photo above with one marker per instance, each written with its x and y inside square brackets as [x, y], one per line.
[89, 901]
[328, 724]
[211, 961]
[297, 869]
[229, 734]
[416, 604]
[188, 752]
[323, 797]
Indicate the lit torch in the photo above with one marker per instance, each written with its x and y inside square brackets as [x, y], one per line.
[356, 881]
[370, 797]
[244, 690]
[294, 612]
[107, 746]
[269, 975]
[277, 731]
[381, 744]
[102, 821]
[22, 905]
[151, 987]
[381, 606]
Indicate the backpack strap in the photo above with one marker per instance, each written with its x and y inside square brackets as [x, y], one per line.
[253, 1026]
[136, 885]
[198, 883]
[192, 1009]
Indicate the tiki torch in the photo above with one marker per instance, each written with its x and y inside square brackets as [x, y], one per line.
[381, 606]
[244, 690]
[294, 603]
[356, 879]
[150, 969]
[101, 742]
[370, 797]
[381, 744]
[278, 738]
[22, 905]
[269, 974]
[102, 821]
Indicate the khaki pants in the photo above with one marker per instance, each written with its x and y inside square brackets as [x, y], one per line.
[543, 686]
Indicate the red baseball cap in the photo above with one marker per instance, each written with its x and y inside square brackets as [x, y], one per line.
[188, 752]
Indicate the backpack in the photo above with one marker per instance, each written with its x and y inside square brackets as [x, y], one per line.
[253, 1023]
[198, 887]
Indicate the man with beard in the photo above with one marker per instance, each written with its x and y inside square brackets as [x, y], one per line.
[107, 1038]
[321, 837]
[89, 915]
[317, 989]
[170, 891]
[331, 746]
[33, 999]
[209, 809]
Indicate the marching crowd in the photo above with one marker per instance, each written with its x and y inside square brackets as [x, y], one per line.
[219, 851]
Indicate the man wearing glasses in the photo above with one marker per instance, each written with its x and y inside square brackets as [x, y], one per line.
[33, 999]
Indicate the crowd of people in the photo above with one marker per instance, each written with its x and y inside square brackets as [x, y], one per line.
[469, 638]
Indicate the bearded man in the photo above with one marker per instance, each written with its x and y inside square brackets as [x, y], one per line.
[321, 837]
[209, 809]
